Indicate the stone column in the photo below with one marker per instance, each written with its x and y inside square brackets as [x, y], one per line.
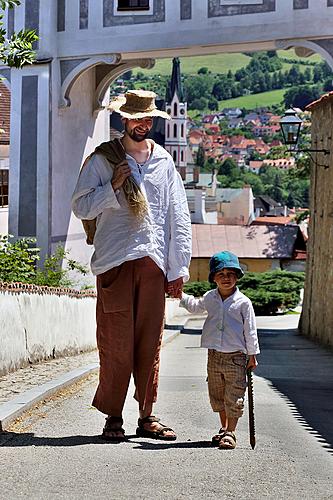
[29, 208]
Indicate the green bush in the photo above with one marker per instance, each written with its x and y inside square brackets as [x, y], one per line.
[18, 263]
[270, 292]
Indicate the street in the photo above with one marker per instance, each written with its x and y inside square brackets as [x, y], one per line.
[55, 450]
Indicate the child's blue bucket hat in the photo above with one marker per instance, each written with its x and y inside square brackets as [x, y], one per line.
[221, 260]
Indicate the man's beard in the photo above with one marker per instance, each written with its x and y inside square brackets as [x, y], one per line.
[135, 136]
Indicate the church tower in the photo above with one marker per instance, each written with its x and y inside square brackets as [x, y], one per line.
[175, 129]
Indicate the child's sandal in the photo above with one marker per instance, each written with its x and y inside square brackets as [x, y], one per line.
[227, 441]
[217, 438]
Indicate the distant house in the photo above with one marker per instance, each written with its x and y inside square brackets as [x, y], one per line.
[264, 205]
[234, 123]
[235, 206]
[231, 112]
[231, 206]
[212, 127]
[274, 120]
[281, 163]
[265, 117]
[266, 130]
[212, 119]
[237, 157]
[259, 248]
[251, 117]
[254, 166]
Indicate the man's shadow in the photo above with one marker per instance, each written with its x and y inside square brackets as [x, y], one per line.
[14, 440]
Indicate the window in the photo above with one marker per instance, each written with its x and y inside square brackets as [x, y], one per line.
[241, 2]
[182, 156]
[175, 109]
[3, 188]
[168, 130]
[182, 130]
[133, 5]
[174, 154]
[175, 130]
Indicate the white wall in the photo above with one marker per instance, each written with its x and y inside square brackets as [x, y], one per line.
[4, 220]
[35, 326]
[195, 35]
[78, 130]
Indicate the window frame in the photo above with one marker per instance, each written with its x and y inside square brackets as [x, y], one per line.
[4, 188]
[130, 8]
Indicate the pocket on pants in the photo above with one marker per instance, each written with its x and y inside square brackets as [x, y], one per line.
[113, 293]
[239, 360]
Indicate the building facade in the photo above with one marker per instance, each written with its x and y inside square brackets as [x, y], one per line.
[58, 112]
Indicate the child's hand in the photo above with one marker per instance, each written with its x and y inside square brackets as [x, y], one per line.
[174, 288]
[252, 362]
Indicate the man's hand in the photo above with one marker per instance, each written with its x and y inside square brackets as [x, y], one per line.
[121, 172]
[175, 288]
[252, 362]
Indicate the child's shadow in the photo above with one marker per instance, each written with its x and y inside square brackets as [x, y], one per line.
[167, 445]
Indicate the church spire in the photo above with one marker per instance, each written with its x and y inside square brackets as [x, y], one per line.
[175, 84]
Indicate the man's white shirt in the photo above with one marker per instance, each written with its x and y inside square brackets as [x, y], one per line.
[164, 234]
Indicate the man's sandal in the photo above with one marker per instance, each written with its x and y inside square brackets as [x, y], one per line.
[114, 425]
[227, 441]
[217, 438]
[157, 434]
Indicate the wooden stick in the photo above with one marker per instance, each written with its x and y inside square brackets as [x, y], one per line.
[251, 409]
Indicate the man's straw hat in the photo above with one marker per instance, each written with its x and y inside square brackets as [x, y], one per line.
[137, 104]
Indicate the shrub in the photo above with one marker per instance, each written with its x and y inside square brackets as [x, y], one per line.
[18, 262]
[270, 292]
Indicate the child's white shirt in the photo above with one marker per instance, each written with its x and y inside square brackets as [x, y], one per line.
[230, 325]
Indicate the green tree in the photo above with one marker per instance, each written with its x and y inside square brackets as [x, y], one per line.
[213, 104]
[301, 96]
[200, 159]
[228, 168]
[17, 50]
[203, 71]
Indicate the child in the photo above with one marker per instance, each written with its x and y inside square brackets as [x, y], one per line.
[230, 335]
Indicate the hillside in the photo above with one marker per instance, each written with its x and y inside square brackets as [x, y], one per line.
[218, 63]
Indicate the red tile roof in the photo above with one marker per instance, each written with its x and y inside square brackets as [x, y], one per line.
[4, 113]
[321, 100]
[272, 221]
[260, 242]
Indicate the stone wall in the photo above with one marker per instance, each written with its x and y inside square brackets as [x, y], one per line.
[317, 315]
[37, 323]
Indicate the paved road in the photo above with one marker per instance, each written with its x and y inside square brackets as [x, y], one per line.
[55, 452]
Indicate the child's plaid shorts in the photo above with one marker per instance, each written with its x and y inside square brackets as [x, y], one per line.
[227, 381]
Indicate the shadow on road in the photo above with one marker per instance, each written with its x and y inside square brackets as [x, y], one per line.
[15, 439]
[302, 373]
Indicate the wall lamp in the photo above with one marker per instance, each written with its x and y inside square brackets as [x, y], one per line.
[290, 125]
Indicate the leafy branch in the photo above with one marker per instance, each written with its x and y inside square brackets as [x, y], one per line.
[17, 50]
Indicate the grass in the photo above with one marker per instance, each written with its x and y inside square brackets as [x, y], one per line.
[217, 63]
[254, 100]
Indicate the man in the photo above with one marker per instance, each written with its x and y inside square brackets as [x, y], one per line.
[137, 258]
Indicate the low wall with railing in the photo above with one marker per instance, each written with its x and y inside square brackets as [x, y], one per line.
[38, 323]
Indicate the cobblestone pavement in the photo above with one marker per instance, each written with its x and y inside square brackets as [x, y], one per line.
[24, 379]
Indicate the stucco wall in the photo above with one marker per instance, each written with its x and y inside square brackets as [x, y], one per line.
[317, 315]
[37, 326]
[4, 220]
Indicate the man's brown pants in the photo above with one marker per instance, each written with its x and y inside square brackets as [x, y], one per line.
[130, 313]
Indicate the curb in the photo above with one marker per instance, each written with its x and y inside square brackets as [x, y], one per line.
[12, 409]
